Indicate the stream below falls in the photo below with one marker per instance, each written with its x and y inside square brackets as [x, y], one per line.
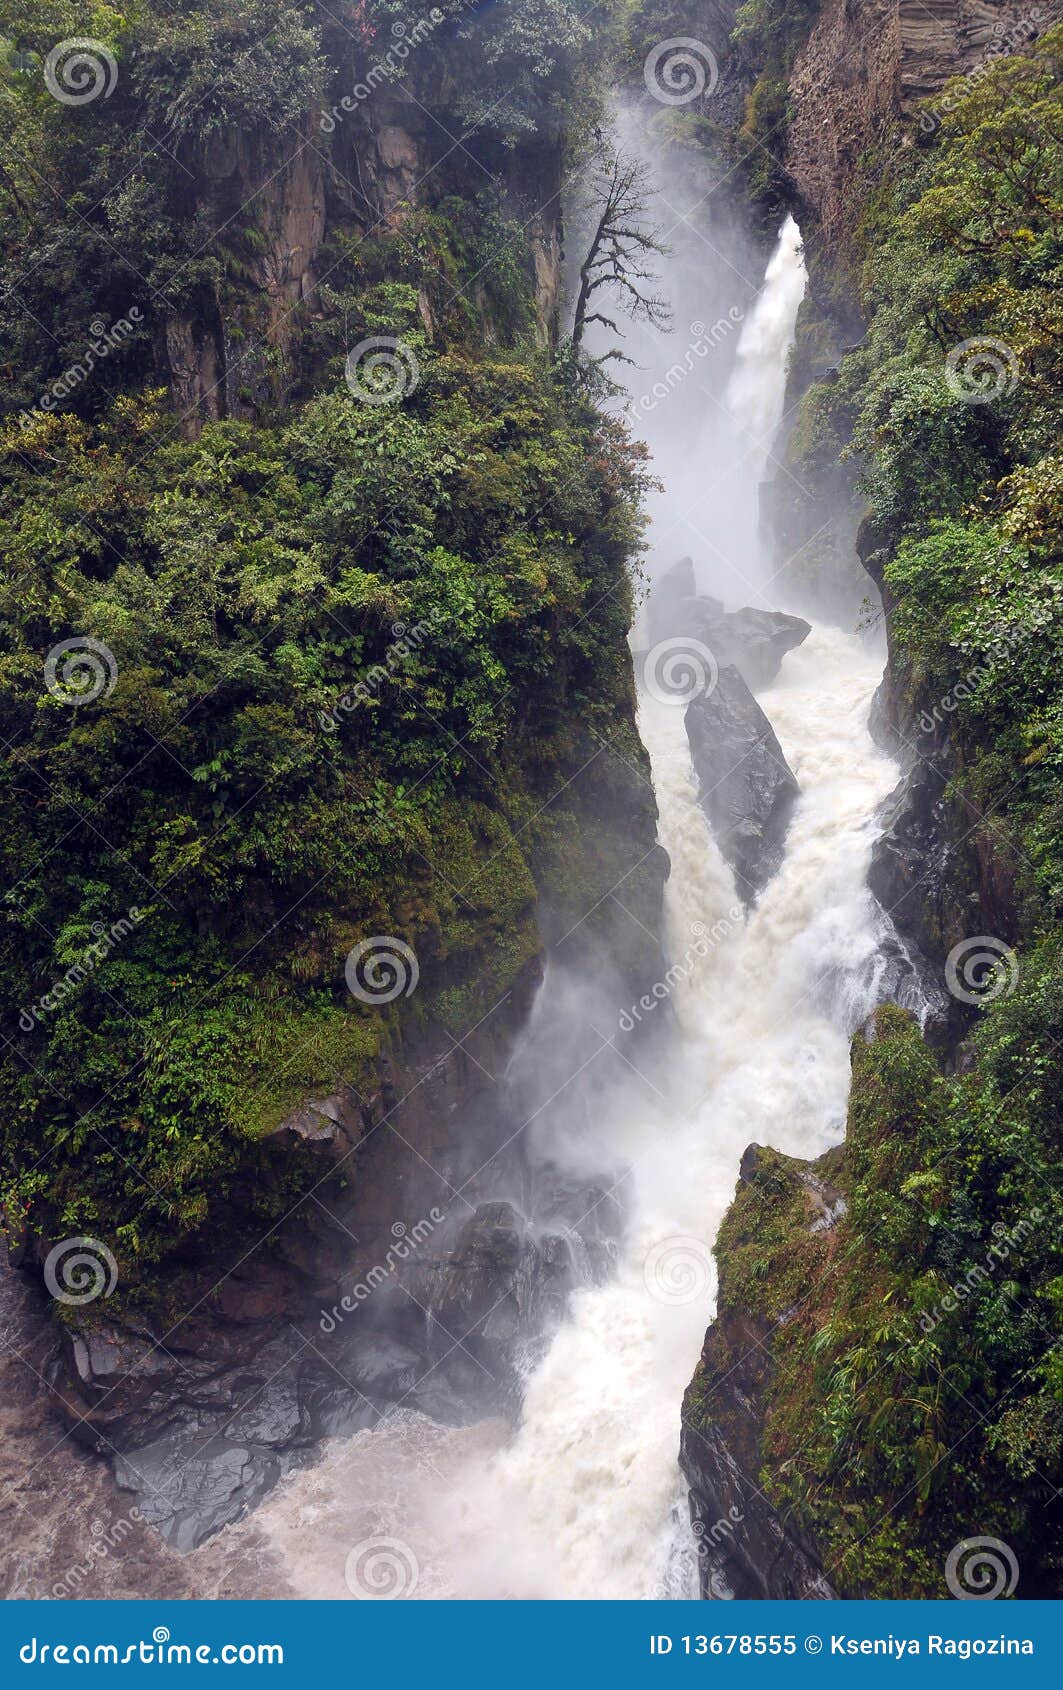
[578, 1493]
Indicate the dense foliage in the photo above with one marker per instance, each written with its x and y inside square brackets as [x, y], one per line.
[918, 1394]
[345, 649]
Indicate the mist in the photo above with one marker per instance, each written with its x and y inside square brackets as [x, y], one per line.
[622, 1125]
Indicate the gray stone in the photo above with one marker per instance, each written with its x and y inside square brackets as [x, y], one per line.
[747, 789]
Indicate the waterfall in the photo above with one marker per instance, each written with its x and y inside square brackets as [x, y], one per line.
[757, 387]
[584, 1497]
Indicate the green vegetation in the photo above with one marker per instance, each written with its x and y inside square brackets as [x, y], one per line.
[347, 650]
[916, 1392]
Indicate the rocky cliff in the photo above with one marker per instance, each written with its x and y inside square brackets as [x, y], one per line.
[834, 1276]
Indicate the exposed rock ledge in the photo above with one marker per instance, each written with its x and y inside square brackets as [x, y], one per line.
[746, 1549]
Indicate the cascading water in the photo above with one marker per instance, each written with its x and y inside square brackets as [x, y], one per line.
[584, 1497]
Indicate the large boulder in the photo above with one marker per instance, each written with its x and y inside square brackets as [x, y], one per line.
[753, 641]
[747, 789]
[675, 607]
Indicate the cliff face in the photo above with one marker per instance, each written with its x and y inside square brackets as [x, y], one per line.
[493, 840]
[865, 65]
[358, 176]
[821, 1312]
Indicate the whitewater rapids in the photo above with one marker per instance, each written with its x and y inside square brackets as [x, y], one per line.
[585, 1499]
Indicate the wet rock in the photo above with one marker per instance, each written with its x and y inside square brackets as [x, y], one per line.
[189, 1488]
[675, 607]
[500, 1290]
[753, 641]
[747, 789]
[746, 1551]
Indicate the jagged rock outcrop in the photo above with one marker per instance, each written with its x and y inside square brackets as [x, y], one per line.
[746, 1549]
[675, 607]
[754, 641]
[865, 64]
[747, 788]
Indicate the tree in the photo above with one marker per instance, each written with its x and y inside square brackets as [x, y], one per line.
[620, 258]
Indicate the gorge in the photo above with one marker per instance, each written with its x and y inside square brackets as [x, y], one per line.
[658, 889]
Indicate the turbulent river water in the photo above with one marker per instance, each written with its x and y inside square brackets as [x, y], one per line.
[584, 1497]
